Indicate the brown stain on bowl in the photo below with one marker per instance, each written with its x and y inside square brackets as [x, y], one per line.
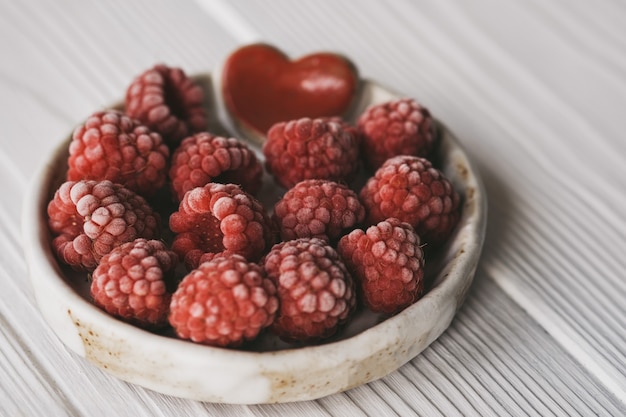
[469, 195]
[319, 382]
[462, 170]
[95, 350]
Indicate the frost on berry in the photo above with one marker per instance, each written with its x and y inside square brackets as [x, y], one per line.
[388, 264]
[306, 148]
[131, 282]
[220, 218]
[204, 158]
[224, 302]
[112, 146]
[410, 189]
[88, 219]
[167, 101]
[315, 290]
[398, 127]
[318, 208]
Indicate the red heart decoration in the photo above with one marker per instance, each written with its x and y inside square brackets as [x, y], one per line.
[262, 86]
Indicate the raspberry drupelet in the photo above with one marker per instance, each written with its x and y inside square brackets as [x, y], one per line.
[323, 148]
[112, 146]
[220, 218]
[131, 282]
[399, 127]
[315, 290]
[318, 208]
[387, 263]
[90, 218]
[412, 190]
[224, 302]
[167, 101]
[204, 158]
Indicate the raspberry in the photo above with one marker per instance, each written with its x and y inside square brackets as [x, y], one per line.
[204, 158]
[224, 302]
[131, 281]
[318, 208]
[217, 218]
[400, 127]
[344, 125]
[112, 146]
[410, 189]
[388, 264]
[315, 290]
[90, 218]
[306, 148]
[209, 256]
[167, 101]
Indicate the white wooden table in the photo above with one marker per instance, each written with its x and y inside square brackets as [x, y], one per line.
[535, 90]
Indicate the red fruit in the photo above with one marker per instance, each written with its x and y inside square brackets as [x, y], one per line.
[399, 127]
[167, 101]
[217, 218]
[209, 256]
[131, 282]
[315, 290]
[311, 149]
[410, 189]
[204, 158]
[344, 125]
[387, 263]
[112, 146]
[318, 208]
[223, 302]
[90, 218]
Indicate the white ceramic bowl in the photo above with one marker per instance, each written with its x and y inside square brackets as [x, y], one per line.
[268, 372]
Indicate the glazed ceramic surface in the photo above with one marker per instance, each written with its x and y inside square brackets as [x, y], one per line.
[268, 370]
[261, 86]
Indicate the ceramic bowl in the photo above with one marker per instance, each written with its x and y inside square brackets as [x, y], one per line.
[266, 371]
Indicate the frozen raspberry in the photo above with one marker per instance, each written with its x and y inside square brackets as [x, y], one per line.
[90, 218]
[318, 208]
[311, 149]
[410, 189]
[112, 146]
[204, 158]
[131, 282]
[388, 264]
[400, 127]
[315, 290]
[217, 218]
[344, 125]
[224, 302]
[209, 256]
[167, 101]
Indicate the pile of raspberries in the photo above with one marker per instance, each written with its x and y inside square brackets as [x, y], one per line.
[213, 263]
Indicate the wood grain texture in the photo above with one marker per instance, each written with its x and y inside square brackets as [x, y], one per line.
[536, 92]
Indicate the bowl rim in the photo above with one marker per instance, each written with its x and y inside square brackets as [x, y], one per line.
[47, 280]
